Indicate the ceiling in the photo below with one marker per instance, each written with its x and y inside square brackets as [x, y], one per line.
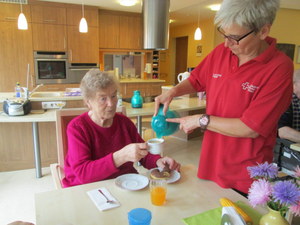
[181, 11]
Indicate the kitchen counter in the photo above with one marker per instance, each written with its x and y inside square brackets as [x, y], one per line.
[42, 96]
[138, 80]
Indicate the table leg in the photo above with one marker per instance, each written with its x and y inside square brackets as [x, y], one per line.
[139, 124]
[139, 128]
[36, 143]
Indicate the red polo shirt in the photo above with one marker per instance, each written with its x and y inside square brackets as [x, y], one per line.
[257, 92]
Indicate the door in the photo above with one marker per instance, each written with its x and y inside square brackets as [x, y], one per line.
[181, 56]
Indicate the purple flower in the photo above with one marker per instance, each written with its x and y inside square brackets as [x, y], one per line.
[259, 192]
[286, 192]
[265, 170]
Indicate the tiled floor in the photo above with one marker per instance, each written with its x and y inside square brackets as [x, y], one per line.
[17, 189]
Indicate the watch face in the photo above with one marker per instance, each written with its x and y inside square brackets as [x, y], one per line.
[204, 120]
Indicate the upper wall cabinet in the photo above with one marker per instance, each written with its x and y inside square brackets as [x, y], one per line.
[83, 47]
[49, 28]
[120, 30]
[74, 16]
[109, 32]
[48, 14]
[10, 12]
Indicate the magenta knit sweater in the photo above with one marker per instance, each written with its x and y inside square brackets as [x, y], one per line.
[90, 147]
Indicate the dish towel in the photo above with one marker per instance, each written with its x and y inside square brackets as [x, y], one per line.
[100, 201]
[213, 216]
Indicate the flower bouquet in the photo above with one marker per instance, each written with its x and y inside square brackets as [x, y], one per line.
[267, 189]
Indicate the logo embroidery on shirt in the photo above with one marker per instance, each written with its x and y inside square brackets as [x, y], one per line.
[215, 75]
[249, 87]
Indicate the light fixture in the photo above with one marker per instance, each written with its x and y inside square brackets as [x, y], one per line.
[198, 33]
[215, 7]
[22, 22]
[128, 2]
[83, 27]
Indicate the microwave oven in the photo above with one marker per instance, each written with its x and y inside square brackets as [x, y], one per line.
[51, 67]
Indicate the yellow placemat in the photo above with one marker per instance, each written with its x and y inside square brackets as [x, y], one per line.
[213, 216]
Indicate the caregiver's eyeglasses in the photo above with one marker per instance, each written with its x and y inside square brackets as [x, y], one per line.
[232, 38]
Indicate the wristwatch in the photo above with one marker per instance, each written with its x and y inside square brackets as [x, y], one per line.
[204, 121]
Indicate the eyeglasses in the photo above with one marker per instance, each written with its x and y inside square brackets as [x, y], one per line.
[233, 39]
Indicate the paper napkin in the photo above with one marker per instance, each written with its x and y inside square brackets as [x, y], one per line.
[213, 216]
[100, 201]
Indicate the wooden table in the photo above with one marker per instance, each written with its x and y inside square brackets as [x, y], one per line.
[34, 118]
[179, 104]
[186, 197]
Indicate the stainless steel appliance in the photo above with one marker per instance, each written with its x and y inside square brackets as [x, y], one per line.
[78, 70]
[51, 67]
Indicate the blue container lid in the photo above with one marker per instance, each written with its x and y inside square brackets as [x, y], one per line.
[139, 216]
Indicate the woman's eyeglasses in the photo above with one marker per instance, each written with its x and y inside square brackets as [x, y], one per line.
[233, 39]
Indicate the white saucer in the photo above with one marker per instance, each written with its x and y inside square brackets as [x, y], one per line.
[132, 181]
[175, 175]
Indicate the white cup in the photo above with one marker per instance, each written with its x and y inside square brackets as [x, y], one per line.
[156, 145]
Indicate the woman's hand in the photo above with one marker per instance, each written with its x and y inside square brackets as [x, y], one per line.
[188, 123]
[171, 162]
[164, 99]
[130, 153]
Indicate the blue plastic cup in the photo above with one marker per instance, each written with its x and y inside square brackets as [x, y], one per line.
[139, 216]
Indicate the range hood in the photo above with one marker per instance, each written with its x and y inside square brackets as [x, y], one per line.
[156, 24]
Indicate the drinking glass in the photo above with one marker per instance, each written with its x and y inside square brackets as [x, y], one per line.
[158, 191]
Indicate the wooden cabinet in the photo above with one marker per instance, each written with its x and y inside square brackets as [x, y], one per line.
[74, 16]
[10, 12]
[49, 37]
[130, 32]
[109, 32]
[120, 30]
[83, 47]
[49, 28]
[48, 14]
[146, 89]
[15, 55]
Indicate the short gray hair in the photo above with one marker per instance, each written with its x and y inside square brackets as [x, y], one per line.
[95, 80]
[253, 14]
[296, 77]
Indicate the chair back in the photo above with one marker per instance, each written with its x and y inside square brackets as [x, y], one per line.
[63, 117]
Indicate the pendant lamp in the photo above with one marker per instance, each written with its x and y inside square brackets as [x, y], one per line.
[83, 27]
[22, 22]
[198, 33]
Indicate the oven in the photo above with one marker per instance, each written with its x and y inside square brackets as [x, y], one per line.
[51, 67]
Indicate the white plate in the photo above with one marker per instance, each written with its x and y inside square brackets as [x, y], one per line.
[175, 175]
[132, 181]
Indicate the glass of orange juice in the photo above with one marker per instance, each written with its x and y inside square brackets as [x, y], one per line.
[158, 191]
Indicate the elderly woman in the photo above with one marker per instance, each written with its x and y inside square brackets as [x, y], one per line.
[248, 84]
[103, 144]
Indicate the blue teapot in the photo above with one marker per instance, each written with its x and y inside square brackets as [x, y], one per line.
[161, 126]
[136, 100]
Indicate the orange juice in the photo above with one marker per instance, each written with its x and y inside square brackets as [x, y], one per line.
[158, 195]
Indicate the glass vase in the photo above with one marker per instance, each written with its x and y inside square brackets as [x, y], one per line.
[273, 217]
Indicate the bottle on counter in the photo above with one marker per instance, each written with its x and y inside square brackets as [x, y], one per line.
[18, 90]
[136, 100]
[120, 102]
